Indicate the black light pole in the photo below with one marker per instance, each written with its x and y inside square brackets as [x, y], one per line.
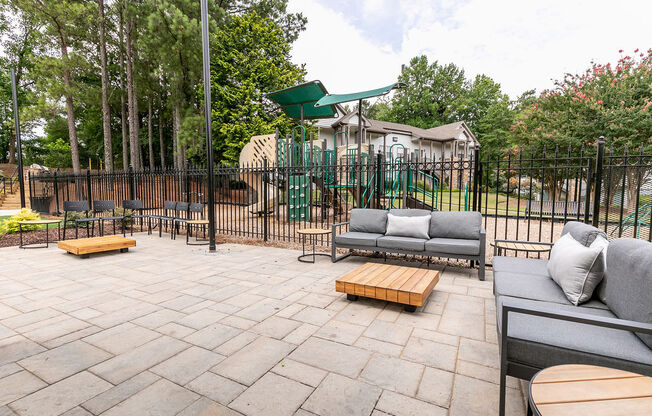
[207, 116]
[19, 146]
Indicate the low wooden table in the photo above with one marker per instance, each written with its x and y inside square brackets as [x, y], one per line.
[84, 246]
[312, 234]
[47, 232]
[406, 285]
[589, 390]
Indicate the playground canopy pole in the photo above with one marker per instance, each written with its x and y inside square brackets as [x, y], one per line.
[207, 117]
[359, 152]
[19, 146]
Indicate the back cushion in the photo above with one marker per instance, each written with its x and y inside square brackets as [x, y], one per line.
[368, 220]
[628, 291]
[452, 224]
[404, 212]
[584, 234]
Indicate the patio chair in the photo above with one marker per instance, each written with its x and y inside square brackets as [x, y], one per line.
[181, 214]
[76, 206]
[193, 208]
[100, 208]
[136, 206]
[168, 206]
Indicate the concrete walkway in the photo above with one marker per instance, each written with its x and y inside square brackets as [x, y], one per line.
[165, 329]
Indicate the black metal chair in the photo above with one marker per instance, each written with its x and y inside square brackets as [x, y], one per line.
[76, 206]
[181, 214]
[167, 207]
[105, 206]
[193, 208]
[136, 208]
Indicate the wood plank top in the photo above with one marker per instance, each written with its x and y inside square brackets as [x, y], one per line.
[585, 389]
[406, 285]
[522, 246]
[96, 244]
[313, 231]
[35, 222]
[200, 222]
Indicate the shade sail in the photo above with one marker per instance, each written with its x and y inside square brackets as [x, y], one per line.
[290, 99]
[333, 99]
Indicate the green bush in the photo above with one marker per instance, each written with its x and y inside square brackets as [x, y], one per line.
[71, 217]
[423, 185]
[10, 225]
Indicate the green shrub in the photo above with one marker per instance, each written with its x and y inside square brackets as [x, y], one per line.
[10, 225]
[424, 185]
[71, 217]
[127, 214]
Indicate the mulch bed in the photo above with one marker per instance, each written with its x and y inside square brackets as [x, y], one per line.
[11, 240]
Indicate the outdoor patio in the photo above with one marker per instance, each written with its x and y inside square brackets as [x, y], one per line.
[166, 330]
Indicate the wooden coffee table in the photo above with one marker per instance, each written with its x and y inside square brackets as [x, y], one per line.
[84, 246]
[589, 390]
[408, 286]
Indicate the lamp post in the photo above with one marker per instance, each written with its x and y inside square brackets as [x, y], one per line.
[207, 117]
[19, 147]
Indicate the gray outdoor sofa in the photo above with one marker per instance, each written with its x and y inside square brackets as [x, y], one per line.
[456, 235]
[538, 327]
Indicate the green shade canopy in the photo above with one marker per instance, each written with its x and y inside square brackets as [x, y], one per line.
[333, 99]
[291, 99]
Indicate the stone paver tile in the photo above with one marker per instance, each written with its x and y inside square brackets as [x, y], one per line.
[393, 374]
[236, 343]
[262, 310]
[244, 299]
[388, 332]
[436, 387]
[9, 369]
[181, 302]
[187, 365]
[77, 411]
[207, 407]
[216, 387]
[85, 313]
[18, 385]
[212, 336]
[400, 405]
[290, 310]
[201, 318]
[61, 396]
[72, 336]
[175, 330]
[462, 324]
[467, 390]
[162, 398]
[301, 334]
[238, 322]
[6, 332]
[465, 304]
[299, 412]
[377, 412]
[390, 313]
[7, 311]
[124, 366]
[66, 360]
[300, 372]
[254, 360]
[478, 352]
[317, 300]
[6, 411]
[24, 319]
[430, 353]
[339, 331]
[59, 329]
[313, 315]
[272, 395]
[115, 395]
[16, 348]
[436, 336]
[381, 347]
[358, 313]
[482, 372]
[332, 356]
[275, 327]
[124, 315]
[159, 318]
[418, 319]
[338, 395]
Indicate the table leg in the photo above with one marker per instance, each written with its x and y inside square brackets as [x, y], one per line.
[352, 298]
[58, 231]
[409, 308]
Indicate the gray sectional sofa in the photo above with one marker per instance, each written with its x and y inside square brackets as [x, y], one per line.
[452, 234]
[538, 327]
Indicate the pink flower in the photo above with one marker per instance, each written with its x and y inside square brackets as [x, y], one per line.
[635, 50]
[620, 51]
[622, 102]
[600, 102]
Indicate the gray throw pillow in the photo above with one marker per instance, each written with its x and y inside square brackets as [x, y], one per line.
[584, 234]
[416, 227]
[575, 268]
[368, 220]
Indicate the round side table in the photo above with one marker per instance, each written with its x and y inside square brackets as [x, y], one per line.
[500, 247]
[589, 390]
[47, 232]
[312, 234]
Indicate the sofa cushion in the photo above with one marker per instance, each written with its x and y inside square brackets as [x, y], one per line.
[465, 225]
[416, 227]
[406, 212]
[528, 286]
[368, 220]
[582, 233]
[577, 269]
[520, 265]
[353, 238]
[401, 243]
[629, 281]
[453, 246]
[544, 342]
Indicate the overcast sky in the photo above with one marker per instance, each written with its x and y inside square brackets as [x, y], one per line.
[353, 45]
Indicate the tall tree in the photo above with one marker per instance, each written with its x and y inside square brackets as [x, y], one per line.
[132, 99]
[123, 113]
[106, 110]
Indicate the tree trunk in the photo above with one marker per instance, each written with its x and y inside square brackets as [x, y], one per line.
[123, 112]
[12, 147]
[149, 134]
[70, 108]
[161, 142]
[132, 102]
[106, 110]
[176, 120]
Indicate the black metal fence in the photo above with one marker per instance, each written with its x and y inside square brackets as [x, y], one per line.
[522, 195]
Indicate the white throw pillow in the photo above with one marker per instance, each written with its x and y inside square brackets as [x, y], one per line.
[577, 269]
[416, 227]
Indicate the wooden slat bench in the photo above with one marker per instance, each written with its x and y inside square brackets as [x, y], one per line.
[84, 246]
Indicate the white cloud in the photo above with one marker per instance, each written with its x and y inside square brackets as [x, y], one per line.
[520, 44]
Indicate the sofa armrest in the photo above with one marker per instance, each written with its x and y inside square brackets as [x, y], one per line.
[335, 227]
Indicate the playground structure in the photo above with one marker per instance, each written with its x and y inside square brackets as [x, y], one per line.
[639, 220]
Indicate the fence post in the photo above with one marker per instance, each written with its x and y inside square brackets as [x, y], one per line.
[404, 179]
[599, 160]
[132, 190]
[56, 191]
[587, 199]
[88, 187]
[186, 182]
[476, 176]
[264, 199]
[379, 178]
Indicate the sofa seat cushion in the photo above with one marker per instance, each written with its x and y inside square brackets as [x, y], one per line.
[353, 238]
[520, 265]
[453, 246]
[528, 286]
[544, 342]
[401, 243]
